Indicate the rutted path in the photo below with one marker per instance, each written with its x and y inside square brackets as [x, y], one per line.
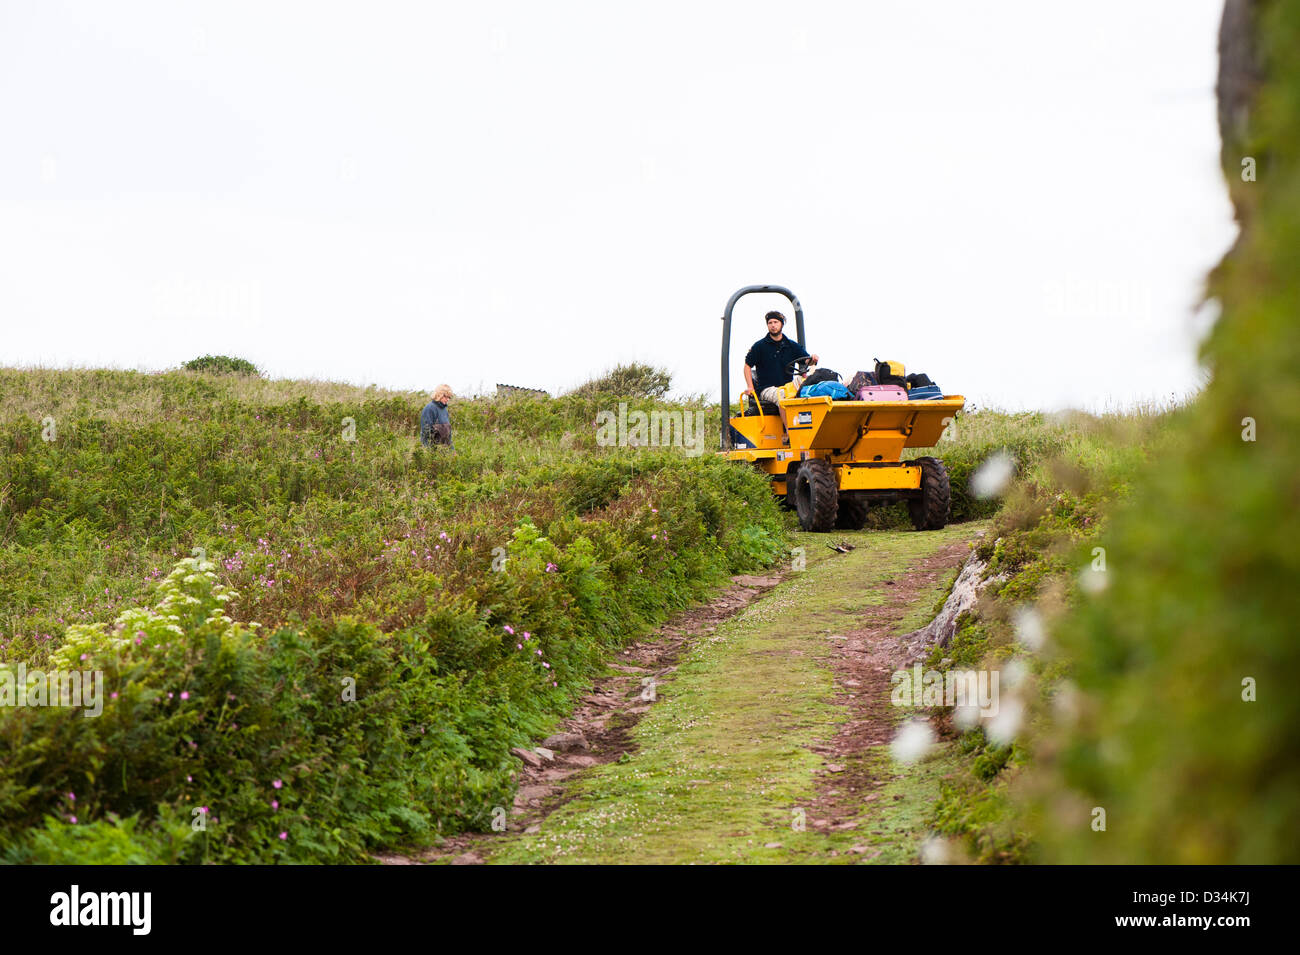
[767, 738]
[600, 729]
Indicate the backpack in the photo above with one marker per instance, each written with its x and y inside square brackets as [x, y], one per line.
[890, 373]
[861, 380]
[820, 375]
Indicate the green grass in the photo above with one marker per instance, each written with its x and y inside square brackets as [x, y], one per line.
[328, 525]
[722, 760]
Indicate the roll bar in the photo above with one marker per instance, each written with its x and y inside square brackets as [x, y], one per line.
[726, 346]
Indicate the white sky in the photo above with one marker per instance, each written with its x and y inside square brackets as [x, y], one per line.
[1019, 198]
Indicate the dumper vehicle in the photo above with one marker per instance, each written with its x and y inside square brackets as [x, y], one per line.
[830, 460]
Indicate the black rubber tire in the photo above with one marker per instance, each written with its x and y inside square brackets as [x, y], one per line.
[852, 514]
[930, 511]
[816, 495]
[786, 500]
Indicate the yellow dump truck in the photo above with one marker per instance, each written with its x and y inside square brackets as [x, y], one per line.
[831, 459]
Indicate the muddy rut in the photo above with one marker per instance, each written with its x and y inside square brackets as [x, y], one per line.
[862, 656]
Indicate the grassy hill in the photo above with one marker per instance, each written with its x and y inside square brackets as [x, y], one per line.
[466, 597]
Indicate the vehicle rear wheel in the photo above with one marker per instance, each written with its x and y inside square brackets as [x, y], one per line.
[852, 514]
[816, 495]
[930, 511]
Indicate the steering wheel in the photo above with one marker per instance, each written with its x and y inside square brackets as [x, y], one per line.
[800, 366]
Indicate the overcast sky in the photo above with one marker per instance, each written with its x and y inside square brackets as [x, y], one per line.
[1019, 198]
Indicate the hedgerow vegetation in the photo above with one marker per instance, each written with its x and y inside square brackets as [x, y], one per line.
[1159, 726]
[1184, 729]
[318, 638]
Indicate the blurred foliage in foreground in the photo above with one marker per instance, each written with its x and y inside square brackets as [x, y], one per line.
[1163, 695]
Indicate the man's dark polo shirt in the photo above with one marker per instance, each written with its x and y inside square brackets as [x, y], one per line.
[770, 358]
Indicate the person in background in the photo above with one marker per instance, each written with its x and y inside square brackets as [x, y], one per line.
[769, 356]
[435, 422]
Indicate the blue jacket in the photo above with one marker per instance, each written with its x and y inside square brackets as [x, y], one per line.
[435, 412]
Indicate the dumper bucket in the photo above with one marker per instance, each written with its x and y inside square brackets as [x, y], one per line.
[867, 430]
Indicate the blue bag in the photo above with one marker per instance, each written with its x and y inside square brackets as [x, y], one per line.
[925, 393]
[830, 389]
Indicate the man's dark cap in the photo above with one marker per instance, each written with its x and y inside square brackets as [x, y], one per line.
[777, 315]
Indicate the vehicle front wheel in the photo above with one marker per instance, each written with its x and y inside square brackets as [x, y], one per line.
[816, 495]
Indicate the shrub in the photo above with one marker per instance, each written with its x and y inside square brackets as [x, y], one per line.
[636, 380]
[222, 365]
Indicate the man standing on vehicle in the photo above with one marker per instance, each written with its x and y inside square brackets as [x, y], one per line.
[770, 355]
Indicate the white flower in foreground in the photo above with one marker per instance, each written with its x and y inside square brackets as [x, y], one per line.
[993, 475]
[912, 742]
[1003, 727]
[1029, 627]
[966, 717]
[1014, 672]
[1092, 581]
[1065, 702]
[934, 851]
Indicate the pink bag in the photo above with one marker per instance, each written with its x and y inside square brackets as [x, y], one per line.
[882, 393]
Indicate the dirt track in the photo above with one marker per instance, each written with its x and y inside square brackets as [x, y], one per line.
[740, 658]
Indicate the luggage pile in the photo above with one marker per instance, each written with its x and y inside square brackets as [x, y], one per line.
[888, 382]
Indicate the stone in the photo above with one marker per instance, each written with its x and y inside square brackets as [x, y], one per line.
[563, 742]
[530, 758]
